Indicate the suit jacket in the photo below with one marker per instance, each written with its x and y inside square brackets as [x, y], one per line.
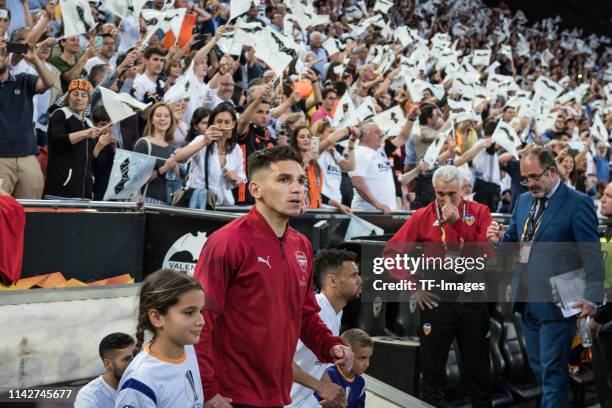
[566, 240]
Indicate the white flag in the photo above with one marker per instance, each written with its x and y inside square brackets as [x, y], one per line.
[240, 7]
[121, 7]
[184, 87]
[366, 110]
[390, 121]
[358, 227]
[599, 129]
[608, 91]
[505, 136]
[402, 35]
[120, 106]
[274, 49]
[333, 46]
[481, 57]
[77, 17]
[434, 149]
[130, 172]
[569, 96]
[506, 51]
[383, 6]
[547, 88]
[345, 112]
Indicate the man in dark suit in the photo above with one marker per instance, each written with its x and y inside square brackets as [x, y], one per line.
[557, 231]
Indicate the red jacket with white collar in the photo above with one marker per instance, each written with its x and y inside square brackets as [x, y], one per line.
[259, 301]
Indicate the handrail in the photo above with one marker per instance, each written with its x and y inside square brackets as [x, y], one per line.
[17, 297]
[219, 212]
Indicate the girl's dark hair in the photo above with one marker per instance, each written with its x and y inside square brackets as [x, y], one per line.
[294, 136]
[294, 146]
[232, 141]
[197, 117]
[160, 291]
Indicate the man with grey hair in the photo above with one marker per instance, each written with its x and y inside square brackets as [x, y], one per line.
[320, 55]
[373, 176]
[443, 228]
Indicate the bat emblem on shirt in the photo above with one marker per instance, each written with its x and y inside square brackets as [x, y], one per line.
[191, 382]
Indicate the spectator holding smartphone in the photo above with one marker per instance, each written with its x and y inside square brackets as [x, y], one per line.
[216, 158]
[18, 165]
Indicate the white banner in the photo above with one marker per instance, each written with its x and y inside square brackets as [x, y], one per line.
[77, 17]
[130, 172]
[505, 136]
[120, 106]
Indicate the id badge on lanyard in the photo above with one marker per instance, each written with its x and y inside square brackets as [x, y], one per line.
[525, 251]
[529, 231]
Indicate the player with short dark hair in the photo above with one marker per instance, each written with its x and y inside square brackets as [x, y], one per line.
[116, 351]
[257, 275]
[339, 280]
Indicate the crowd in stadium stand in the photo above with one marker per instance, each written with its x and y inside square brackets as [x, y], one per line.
[164, 101]
[373, 95]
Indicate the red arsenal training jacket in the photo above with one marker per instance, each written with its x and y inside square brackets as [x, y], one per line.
[259, 301]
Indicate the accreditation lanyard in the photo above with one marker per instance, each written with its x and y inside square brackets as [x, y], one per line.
[443, 232]
[532, 225]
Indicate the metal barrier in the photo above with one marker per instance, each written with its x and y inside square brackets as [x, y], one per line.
[92, 240]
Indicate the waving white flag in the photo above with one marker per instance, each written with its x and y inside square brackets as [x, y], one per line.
[390, 121]
[434, 149]
[120, 106]
[240, 7]
[130, 172]
[121, 7]
[345, 112]
[77, 17]
[599, 129]
[184, 86]
[383, 6]
[481, 57]
[505, 136]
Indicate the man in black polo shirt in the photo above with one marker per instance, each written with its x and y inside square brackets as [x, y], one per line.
[253, 133]
[19, 169]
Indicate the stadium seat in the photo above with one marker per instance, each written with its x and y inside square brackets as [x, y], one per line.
[455, 394]
[501, 395]
[517, 373]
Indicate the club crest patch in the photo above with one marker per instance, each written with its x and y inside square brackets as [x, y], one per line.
[426, 329]
[301, 260]
[469, 219]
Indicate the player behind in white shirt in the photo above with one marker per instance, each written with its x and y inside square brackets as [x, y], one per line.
[166, 373]
[338, 276]
[116, 351]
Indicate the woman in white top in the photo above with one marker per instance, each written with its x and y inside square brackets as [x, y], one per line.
[332, 163]
[216, 158]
